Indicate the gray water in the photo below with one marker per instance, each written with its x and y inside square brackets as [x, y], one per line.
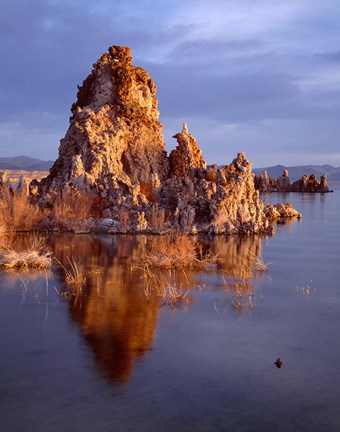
[113, 361]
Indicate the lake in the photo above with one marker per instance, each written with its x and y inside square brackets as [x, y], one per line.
[114, 359]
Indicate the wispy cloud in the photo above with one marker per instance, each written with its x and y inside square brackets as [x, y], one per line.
[240, 18]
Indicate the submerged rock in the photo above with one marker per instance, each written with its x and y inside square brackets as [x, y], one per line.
[114, 152]
[281, 212]
[278, 363]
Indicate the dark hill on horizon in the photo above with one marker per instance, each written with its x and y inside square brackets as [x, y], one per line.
[24, 163]
[296, 172]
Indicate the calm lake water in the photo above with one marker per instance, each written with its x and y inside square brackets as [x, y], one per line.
[114, 361]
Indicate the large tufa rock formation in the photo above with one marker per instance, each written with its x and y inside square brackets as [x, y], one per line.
[114, 141]
[114, 151]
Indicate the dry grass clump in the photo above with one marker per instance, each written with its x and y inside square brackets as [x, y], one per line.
[71, 206]
[6, 237]
[177, 251]
[173, 295]
[240, 293]
[259, 264]
[244, 302]
[25, 260]
[74, 279]
[165, 287]
[37, 256]
[306, 290]
[2, 229]
[17, 213]
[73, 210]
[238, 286]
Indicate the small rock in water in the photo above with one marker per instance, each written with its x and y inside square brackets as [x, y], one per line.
[278, 362]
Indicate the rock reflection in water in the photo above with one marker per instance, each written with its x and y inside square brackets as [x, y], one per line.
[116, 317]
[237, 254]
[117, 321]
[238, 267]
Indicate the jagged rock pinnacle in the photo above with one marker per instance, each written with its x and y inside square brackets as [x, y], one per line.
[114, 152]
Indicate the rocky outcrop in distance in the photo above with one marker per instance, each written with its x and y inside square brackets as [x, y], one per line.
[310, 184]
[114, 153]
[297, 171]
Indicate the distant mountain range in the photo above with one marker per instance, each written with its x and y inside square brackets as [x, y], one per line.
[24, 163]
[296, 172]
[27, 163]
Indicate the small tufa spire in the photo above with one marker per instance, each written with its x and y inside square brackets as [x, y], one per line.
[185, 128]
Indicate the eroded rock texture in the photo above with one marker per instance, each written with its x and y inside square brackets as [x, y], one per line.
[263, 183]
[212, 199]
[280, 212]
[114, 142]
[310, 184]
[114, 152]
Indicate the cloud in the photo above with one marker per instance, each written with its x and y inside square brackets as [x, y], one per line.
[241, 71]
[204, 51]
[233, 97]
[329, 57]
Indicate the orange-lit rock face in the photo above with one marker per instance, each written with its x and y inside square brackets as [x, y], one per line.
[187, 156]
[114, 151]
[310, 184]
[224, 199]
[114, 139]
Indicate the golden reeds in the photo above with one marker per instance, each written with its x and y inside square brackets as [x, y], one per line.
[177, 251]
[17, 213]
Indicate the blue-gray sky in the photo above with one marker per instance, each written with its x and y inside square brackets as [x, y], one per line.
[258, 76]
